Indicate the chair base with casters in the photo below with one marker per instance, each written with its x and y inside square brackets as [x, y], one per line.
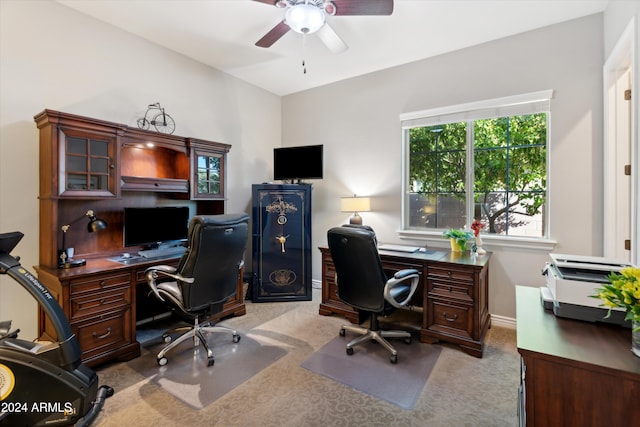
[197, 334]
[373, 333]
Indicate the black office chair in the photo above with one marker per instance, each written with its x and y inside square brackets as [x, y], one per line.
[206, 277]
[363, 284]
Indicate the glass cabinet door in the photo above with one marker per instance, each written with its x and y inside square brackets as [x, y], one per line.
[87, 165]
[209, 175]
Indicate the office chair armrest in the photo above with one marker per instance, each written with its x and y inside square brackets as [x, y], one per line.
[151, 274]
[401, 277]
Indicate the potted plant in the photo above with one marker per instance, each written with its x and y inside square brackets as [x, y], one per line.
[458, 239]
[623, 291]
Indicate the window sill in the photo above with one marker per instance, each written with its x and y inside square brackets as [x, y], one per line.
[544, 245]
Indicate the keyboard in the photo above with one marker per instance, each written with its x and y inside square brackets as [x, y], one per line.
[399, 248]
[162, 253]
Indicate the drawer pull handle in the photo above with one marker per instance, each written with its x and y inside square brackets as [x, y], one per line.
[102, 282]
[449, 319]
[100, 337]
[449, 273]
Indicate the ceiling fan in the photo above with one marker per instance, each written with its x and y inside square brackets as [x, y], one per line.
[309, 17]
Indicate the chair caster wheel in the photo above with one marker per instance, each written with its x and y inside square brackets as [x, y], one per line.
[210, 361]
[166, 338]
[342, 332]
[350, 351]
[162, 361]
[407, 340]
[394, 359]
[236, 338]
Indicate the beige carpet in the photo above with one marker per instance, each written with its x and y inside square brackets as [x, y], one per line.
[462, 390]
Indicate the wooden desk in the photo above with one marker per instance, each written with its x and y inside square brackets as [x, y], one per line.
[574, 373]
[99, 300]
[453, 292]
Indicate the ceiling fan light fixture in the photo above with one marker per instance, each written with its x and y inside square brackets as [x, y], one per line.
[305, 18]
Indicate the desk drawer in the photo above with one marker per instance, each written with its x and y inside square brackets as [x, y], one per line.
[100, 302]
[103, 334]
[450, 318]
[451, 274]
[451, 290]
[98, 283]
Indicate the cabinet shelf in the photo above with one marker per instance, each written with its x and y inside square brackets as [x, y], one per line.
[158, 185]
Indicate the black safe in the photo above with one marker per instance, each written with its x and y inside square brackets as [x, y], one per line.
[281, 237]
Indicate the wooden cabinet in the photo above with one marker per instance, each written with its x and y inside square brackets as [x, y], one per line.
[100, 310]
[78, 156]
[453, 293]
[573, 373]
[456, 304]
[91, 164]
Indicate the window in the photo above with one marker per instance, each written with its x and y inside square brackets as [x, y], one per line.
[485, 161]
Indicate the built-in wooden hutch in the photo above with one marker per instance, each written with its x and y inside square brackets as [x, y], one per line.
[91, 164]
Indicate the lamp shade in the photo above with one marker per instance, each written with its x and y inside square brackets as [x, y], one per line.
[95, 224]
[355, 204]
[304, 18]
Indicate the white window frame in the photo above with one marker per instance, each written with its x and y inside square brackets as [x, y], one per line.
[528, 103]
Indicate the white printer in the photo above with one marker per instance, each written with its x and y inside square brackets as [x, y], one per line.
[572, 279]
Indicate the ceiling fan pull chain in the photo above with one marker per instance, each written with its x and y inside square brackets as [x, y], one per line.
[304, 48]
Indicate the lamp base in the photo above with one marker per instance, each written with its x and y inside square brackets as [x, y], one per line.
[72, 263]
[355, 219]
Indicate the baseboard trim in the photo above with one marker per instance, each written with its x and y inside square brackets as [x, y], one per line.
[502, 321]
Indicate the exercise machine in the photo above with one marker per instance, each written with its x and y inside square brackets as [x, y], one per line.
[43, 383]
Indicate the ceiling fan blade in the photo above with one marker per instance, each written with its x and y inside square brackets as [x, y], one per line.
[274, 35]
[270, 2]
[363, 7]
[331, 39]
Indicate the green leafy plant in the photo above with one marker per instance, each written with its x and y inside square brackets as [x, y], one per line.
[623, 291]
[460, 237]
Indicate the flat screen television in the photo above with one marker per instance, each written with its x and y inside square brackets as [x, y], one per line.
[155, 226]
[297, 163]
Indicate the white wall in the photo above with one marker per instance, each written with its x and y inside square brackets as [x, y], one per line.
[357, 120]
[53, 57]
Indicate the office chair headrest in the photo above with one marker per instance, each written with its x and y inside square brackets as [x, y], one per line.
[363, 227]
[223, 220]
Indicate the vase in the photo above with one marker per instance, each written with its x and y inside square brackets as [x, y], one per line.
[457, 248]
[479, 249]
[635, 338]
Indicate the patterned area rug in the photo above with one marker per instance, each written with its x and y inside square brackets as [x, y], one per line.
[370, 371]
[187, 377]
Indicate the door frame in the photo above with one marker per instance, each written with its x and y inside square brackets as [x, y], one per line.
[621, 59]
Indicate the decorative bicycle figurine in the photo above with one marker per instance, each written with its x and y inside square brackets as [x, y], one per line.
[162, 121]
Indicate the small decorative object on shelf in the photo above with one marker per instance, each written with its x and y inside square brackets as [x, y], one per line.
[476, 226]
[458, 239]
[162, 121]
[623, 291]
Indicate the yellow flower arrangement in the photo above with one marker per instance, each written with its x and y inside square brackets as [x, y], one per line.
[623, 291]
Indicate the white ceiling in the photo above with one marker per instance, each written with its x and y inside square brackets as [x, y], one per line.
[222, 33]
